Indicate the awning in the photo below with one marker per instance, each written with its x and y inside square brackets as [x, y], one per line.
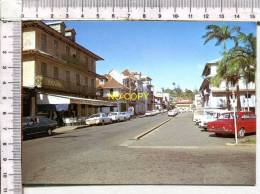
[62, 99]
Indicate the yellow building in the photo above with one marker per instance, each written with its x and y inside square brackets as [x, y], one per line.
[58, 74]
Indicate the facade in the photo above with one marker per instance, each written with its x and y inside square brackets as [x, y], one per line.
[184, 104]
[215, 97]
[197, 101]
[132, 83]
[58, 74]
[162, 100]
[109, 89]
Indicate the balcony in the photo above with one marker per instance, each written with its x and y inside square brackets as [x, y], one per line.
[63, 86]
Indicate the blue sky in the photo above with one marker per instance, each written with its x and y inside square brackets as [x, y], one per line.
[166, 51]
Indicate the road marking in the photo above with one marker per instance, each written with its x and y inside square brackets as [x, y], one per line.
[150, 130]
[188, 147]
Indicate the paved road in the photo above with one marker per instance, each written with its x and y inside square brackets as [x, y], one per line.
[175, 153]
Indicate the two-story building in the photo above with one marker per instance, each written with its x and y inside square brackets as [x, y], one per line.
[215, 97]
[110, 89]
[59, 75]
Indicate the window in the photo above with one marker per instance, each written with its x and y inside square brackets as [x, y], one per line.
[56, 73]
[111, 91]
[77, 79]
[56, 47]
[86, 81]
[67, 76]
[43, 42]
[248, 95]
[77, 54]
[93, 65]
[55, 44]
[92, 83]
[68, 51]
[44, 69]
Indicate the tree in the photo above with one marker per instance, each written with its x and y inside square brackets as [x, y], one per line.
[229, 71]
[241, 62]
[221, 34]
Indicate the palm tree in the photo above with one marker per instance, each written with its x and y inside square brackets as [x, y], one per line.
[221, 34]
[244, 58]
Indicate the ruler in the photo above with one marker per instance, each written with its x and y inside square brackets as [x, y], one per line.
[10, 106]
[218, 10]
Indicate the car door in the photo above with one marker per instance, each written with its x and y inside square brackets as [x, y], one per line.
[28, 127]
[252, 123]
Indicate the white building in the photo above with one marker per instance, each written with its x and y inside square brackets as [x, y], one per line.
[197, 101]
[215, 97]
[162, 100]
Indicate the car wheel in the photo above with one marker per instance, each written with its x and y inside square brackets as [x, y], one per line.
[49, 131]
[241, 133]
[102, 123]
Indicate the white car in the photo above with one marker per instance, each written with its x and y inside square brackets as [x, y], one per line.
[99, 118]
[116, 116]
[207, 117]
[126, 115]
[149, 113]
[172, 112]
[197, 114]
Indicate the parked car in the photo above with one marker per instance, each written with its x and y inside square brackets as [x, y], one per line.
[116, 116]
[246, 123]
[173, 112]
[99, 118]
[208, 116]
[126, 115]
[152, 112]
[38, 125]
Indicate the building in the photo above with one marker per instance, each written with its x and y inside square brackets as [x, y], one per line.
[184, 104]
[133, 84]
[215, 97]
[58, 74]
[109, 89]
[149, 89]
[197, 101]
[162, 100]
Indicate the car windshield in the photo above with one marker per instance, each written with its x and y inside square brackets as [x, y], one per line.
[227, 116]
[95, 115]
[113, 113]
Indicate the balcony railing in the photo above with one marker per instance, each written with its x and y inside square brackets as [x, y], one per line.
[64, 86]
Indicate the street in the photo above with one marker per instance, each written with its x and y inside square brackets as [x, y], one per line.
[177, 152]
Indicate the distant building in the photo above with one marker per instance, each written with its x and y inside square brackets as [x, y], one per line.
[197, 101]
[109, 89]
[184, 104]
[136, 83]
[215, 97]
[162, 100]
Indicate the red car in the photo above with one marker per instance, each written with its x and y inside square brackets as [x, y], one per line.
[246, 123]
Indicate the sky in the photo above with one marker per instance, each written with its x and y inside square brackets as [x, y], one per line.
[165, 51]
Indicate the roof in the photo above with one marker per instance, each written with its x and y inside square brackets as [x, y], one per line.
[183, 102]
[112, 83]
[45, 27]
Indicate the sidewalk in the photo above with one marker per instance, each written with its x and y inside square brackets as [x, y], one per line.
[66, 129]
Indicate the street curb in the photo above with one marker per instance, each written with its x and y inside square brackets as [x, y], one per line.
[150, 130]
[239, 144]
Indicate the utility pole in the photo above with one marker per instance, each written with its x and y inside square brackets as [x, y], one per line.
[234, 115]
